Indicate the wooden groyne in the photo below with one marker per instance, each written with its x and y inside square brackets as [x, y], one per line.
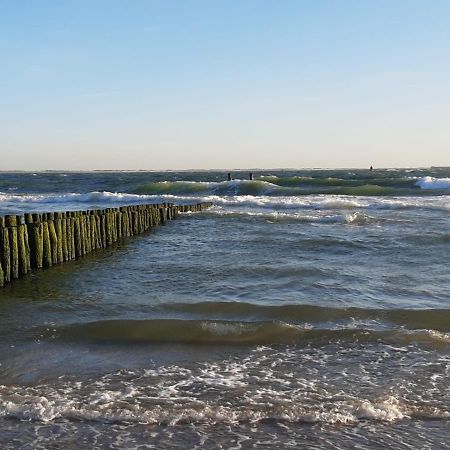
[42, 240]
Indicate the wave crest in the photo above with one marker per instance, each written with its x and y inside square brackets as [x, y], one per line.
[433, 183]
[238, 332]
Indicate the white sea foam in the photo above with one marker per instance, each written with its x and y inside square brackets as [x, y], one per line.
[433, 183]
[265, 383]
[251, 203]
[386, 410]
[113, 406]
[16, 203]
[68, 197]
[322, 202]
[356, 218]
[436, 336]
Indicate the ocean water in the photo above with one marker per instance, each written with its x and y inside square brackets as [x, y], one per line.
[305, 309]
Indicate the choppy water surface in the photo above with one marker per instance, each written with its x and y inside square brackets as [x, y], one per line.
[304, 310]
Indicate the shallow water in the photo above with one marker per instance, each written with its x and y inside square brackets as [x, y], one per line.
[304, 310]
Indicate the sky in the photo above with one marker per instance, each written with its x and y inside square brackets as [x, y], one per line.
[142, 84]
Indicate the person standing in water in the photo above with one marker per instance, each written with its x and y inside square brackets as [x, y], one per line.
[229, 176]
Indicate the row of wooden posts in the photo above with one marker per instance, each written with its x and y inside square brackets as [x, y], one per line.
[42, 240]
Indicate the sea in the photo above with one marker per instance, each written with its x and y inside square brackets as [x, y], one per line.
[305, 309]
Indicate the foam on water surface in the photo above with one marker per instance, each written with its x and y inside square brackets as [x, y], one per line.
[288, 385]
[433, 183]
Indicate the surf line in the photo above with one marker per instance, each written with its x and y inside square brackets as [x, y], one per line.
[42, 240]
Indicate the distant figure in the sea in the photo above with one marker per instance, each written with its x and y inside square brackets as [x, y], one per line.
[251, 176]
[229, 176]
[371, 169]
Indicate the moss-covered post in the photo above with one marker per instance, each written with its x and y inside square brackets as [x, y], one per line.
[77, 237]
[83, 233]
[138, 221]
[35, 235]
[59, 237]
[123, 222]
[64, 243]
[92, 229]
[126, 223]
[108, 237]
[70, 226]
[87, 231]
[119, 224]
[114, 222]
[103, 229]
[129, 222]
[11, 224]
[2, 273]
[47, 253]
[24, 250]
[149, 217]
[53, 241]
[111, 225]
[133, 221]
[142, 221]
[98, 225]
[162, 215]
[5, 254]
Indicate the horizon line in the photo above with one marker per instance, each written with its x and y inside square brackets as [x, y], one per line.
[220, 169]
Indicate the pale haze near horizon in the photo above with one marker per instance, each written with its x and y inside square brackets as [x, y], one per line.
[224, 84]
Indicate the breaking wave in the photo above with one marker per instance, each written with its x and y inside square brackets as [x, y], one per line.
[228, 332]
[436, 319]
[264, 187]
[298, 186]
[433, 183]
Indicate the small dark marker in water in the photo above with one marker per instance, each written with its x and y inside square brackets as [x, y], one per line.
[251, 176]
[371, 168]
[229, 176]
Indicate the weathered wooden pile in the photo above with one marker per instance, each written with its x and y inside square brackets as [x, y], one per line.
[42, 240]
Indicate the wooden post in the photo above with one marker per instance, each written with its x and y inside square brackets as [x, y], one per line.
[24, 250]
[35, 235]
[64, 240]
[103, 230]
[77, 237]
[53, 241]
[59, 237]
[47, 253]
[87, 233]
[119, 224]
[98, 224]
[70, 225]
[93, 228]
[5, 253]
[11, 224]
[83, 234]
[2, 273]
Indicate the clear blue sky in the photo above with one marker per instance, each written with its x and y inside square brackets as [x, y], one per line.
[224, 84]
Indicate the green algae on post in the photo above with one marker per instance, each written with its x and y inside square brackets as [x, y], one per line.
[42, 240]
